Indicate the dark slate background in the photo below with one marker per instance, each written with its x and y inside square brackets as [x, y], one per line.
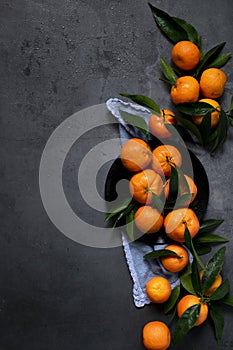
[58, 57]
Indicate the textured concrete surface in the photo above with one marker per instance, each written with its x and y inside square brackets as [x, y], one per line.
[58, 57]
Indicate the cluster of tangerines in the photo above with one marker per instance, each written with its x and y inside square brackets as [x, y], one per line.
[148, 167]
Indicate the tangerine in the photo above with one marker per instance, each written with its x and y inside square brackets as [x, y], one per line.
[158, 289]
[156, 336]
[176, 222]
[189, 300]
[186, 90]
[212, 82]
[158, 123]
[185, 55]
[135, 154]
[142, 186]
[164, 157]
[175, 263]
[148, 219]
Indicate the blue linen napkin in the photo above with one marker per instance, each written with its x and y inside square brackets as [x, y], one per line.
[141, 269]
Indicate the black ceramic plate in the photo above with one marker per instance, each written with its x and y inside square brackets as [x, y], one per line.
[118, 172]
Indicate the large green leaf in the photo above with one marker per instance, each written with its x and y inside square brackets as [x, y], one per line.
[195, 108]
[144, 101]
[136, 121]
[209, 225]
[209, 57]
[210, 238]
[168, 25]
[217, 317]
[203, 249]
[221, 130]
[186, 322]
[228, 300]
[221, 291]
[220, 61]
[189, 244]
[212, 269]
[186, 280]
[205, 128]
[190, 30]
[188, 124]
[168, 306]
[173, 185]
[159, 253]
[168, 72]
[157, 202]
[196, 278]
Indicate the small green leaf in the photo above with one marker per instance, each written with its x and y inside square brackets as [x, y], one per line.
[217, 317]
[161, 252]
[195, 108]
[130, 225]
[209, 57]
[228, 300]
[184, 199]
[212, 269]
[190, 30]
[191, 127]
[196, 278]
[189, 243]
[210, 238]
[143, 101]
[168, 25]
[220, 61]
[221, 291]
[183, 180]
[231, 106]
[186, 322]
[118, 209]
[209, 225]
[168, 72]
[168, 306]
[136, 121]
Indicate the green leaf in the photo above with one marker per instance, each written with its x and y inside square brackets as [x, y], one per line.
[136, 121]
[209, 225]
[217, 317]
[220, 61]
[228, 300]
[119, 208]
[130, 225]
[157, 202]
[168, 306]
[186, 280]
[191, 127]
[186, 322]
[173, 185]
[203, 249]
[190, 30]
[221, 130]
[196, 278]
[168, 25]
[195, 108]
[209, 57]
[184, 199]
[210, 238]
[143, 101]
[183, 181]
[221, 291]
[168, 71]
[189, 243]
[212, 269]
[161, 252]
[231, 106]
[205, 127]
